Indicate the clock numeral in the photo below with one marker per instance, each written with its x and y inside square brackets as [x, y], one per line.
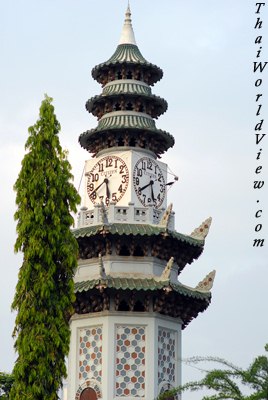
[121, 169]
[114, 198]
[149, 200]
[139, 171]
[120, 189]
[143, 165]
[94, 177]
[93, 196]
[162, 188]
[149, 165]
[101, 167]
[137, 181]
[107, 201]
[144, 198]
[109, 162]
[90, 187]
[159, 197]
[160, 177]
[124, 178]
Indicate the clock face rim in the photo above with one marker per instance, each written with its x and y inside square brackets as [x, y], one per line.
[105, 173]
[153, 175]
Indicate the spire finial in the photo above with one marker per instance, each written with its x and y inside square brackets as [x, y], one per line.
[127, 35]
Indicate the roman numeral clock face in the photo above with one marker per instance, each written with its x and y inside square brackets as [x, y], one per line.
[149, 182]
[108, 180]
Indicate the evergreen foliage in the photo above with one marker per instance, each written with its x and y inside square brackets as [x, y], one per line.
[45, 288]
[6, 381]
[229, 382]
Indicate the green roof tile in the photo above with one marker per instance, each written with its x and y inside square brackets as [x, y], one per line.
[126, 86]
[135, 229]
[149, 284]
[127, 53]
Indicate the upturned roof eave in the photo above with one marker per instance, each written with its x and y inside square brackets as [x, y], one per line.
[84, 137]
[146, 284]
[127, 54]
[135, 229]
[98, 98]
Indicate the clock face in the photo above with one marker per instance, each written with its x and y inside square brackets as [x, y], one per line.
[149, 182]
[108, 180]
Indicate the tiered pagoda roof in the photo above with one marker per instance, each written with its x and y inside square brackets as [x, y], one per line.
[126, 109]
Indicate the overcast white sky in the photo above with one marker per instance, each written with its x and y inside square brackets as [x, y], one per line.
[206, 50]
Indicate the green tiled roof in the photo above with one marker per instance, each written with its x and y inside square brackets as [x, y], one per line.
[127, 53]
[154, 100]
[126, 86]
[140, 284]
[126, 119]
[135, 229]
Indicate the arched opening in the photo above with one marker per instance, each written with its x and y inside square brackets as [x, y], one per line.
[129, 75]
[88, 394]
[138, 251]
[132, 142]
[129, 106]
[123, 306]
[124, 251]
[139, 306]
[120, 141]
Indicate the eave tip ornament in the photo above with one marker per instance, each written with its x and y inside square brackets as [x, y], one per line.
[167, 271]
[202, 231]
[206, 284]
[166, 216]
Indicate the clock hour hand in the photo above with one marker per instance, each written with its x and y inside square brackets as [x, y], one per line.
[144, 187]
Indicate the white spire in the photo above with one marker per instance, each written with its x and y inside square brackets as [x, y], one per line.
[127, 35]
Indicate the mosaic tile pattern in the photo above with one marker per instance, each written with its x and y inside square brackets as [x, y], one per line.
[130, 361]
[166, 355]
[90, 354]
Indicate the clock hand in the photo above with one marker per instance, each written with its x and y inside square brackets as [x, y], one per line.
[152, 193]
[144, 187]
[97, 187]
[107, 188]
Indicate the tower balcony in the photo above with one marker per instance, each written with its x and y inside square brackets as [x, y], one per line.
[130, 215]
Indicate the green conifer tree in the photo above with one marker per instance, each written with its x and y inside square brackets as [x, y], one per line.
[45, 291]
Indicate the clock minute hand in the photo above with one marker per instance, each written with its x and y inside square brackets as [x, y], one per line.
[97, 188]
[152, 192]
[107, 188]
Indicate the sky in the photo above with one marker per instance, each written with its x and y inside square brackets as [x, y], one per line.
[206, 50]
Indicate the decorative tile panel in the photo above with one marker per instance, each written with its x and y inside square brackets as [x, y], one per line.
[166, 355]
[90, 354]
[130, 361]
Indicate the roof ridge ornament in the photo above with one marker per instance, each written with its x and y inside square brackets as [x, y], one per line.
[102, 272]
[103, 213]
[202, 231]
[165, 276]
[206, 284]
[166, 216]
[127, 35]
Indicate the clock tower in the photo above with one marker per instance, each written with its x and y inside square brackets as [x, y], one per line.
[130, 307]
